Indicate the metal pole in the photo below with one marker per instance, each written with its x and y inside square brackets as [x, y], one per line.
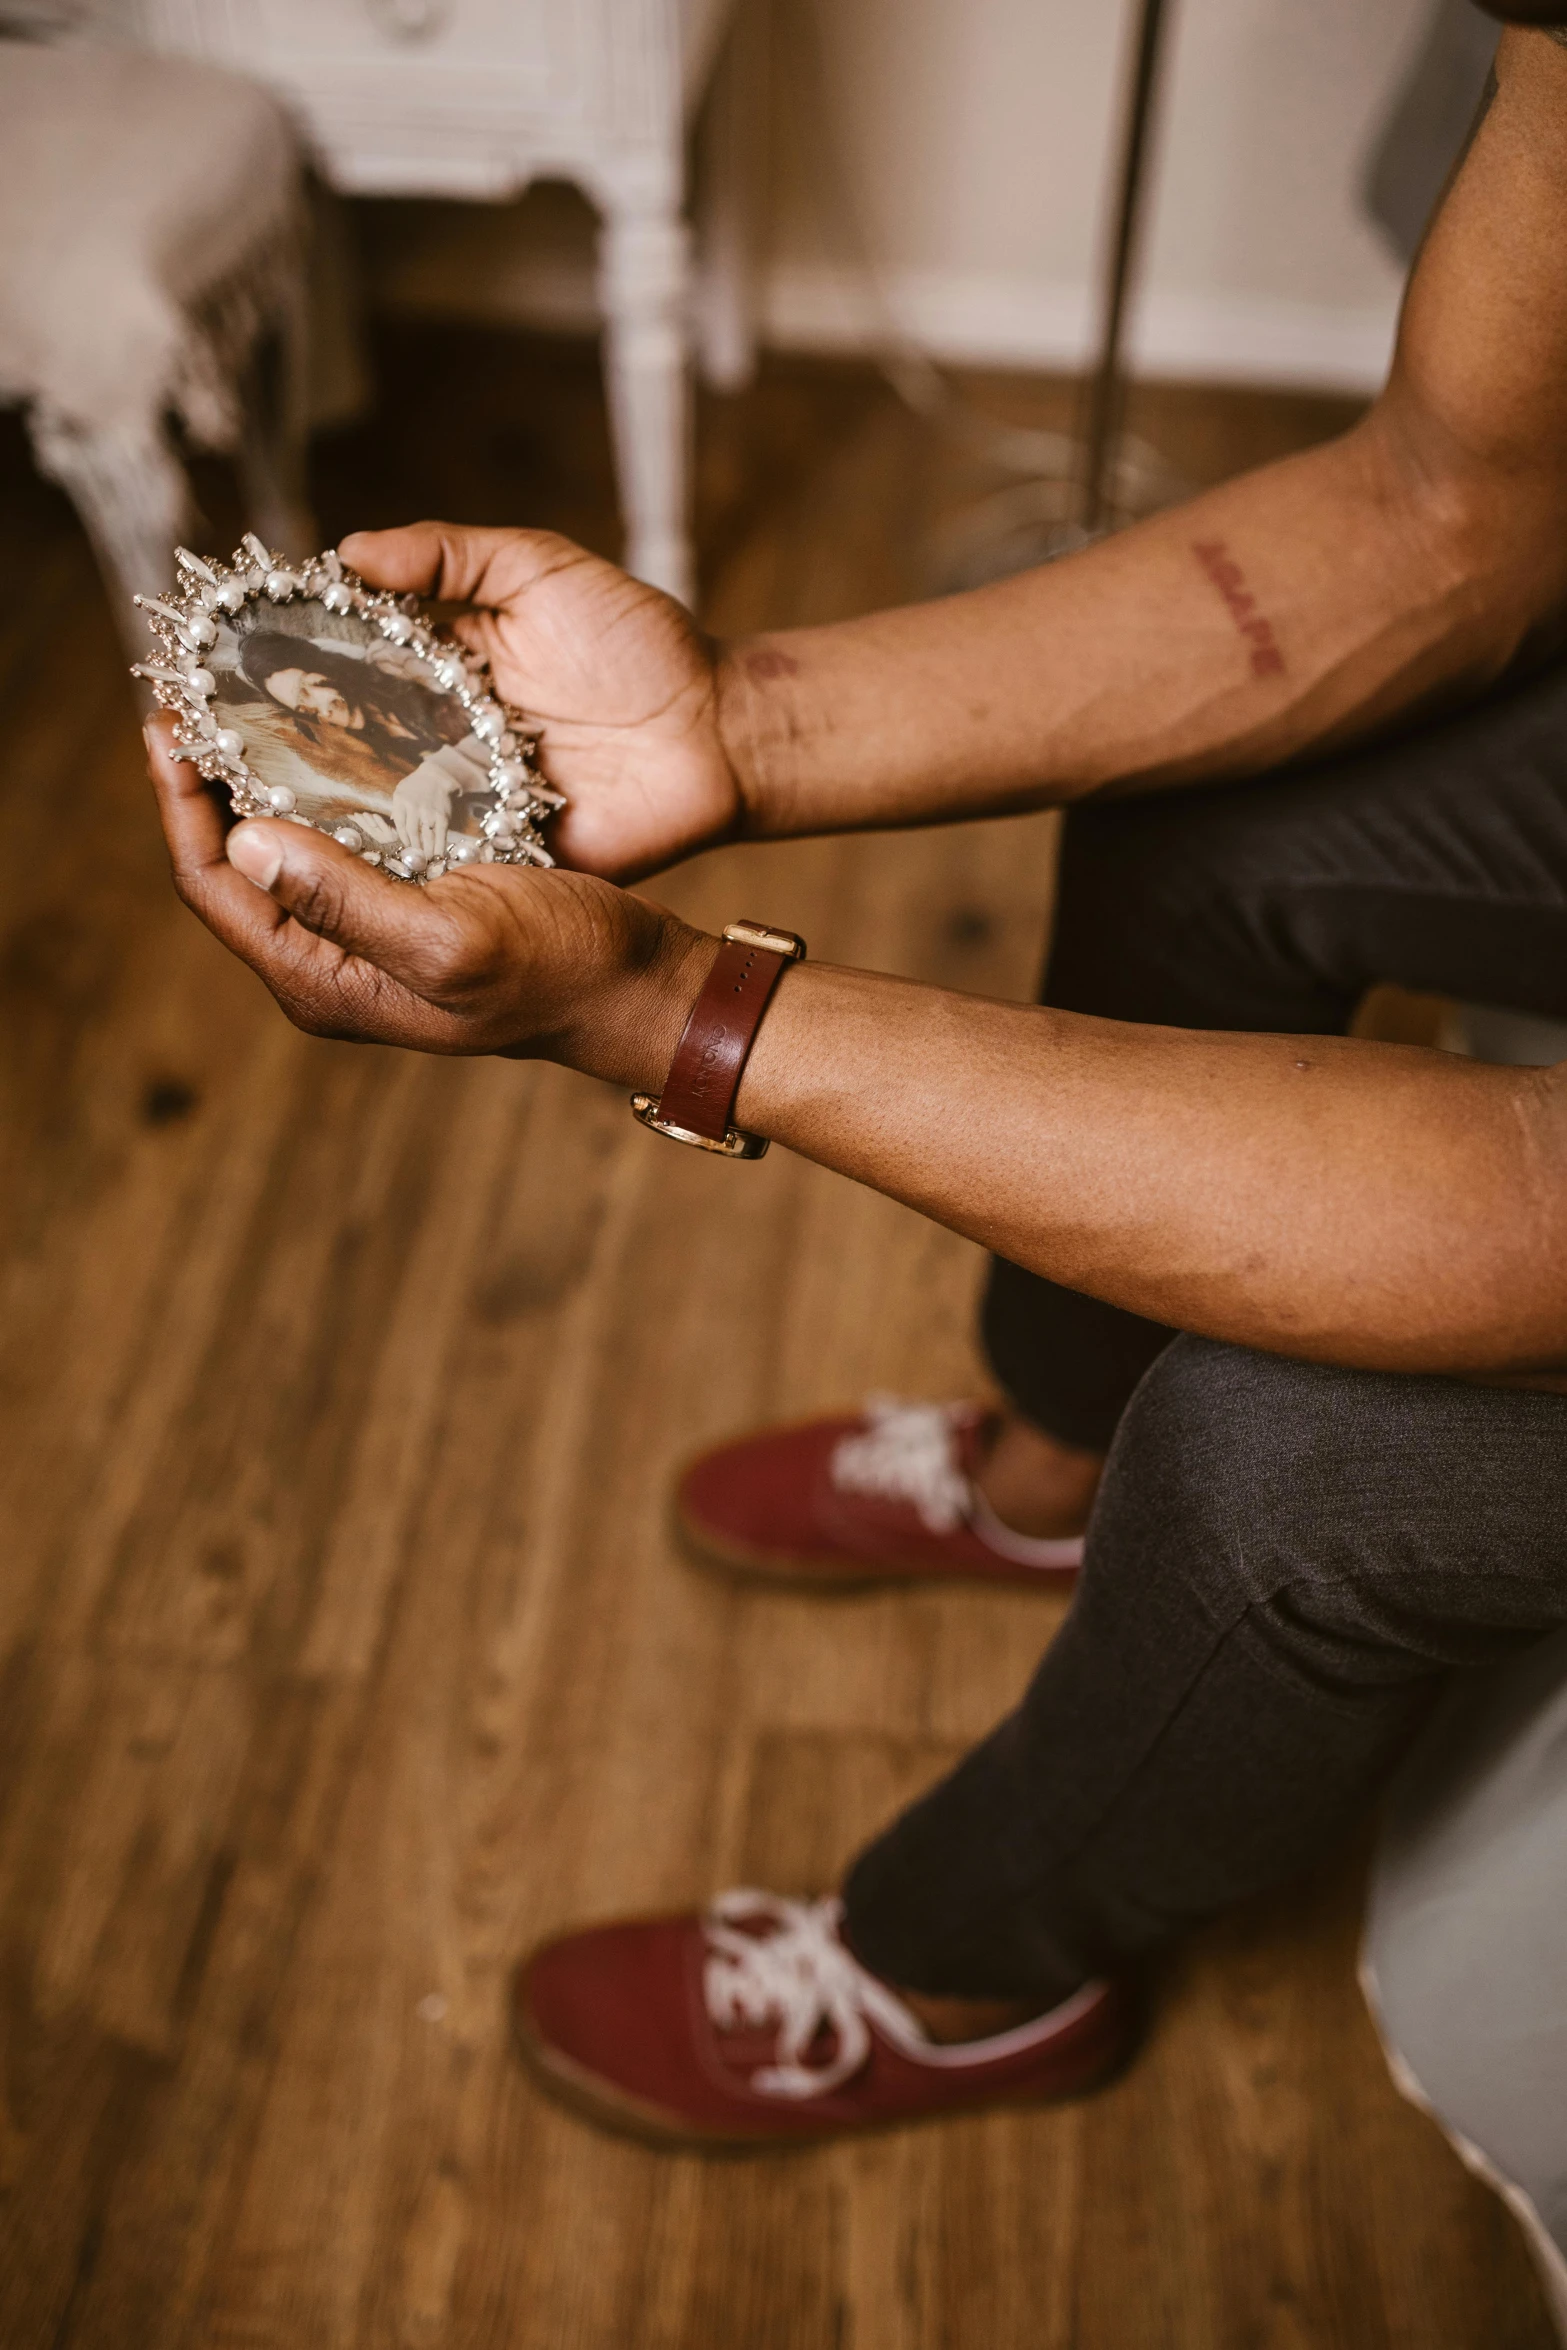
[1105, 387]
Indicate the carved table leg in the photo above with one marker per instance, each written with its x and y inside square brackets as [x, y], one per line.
[644, 282]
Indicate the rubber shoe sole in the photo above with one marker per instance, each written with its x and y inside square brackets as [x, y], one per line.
[828, 1578]
[836, 1576]
[594, 2100]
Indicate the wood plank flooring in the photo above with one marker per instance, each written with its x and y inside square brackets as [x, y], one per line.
[343, 1649]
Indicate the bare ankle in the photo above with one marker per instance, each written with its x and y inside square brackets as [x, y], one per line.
[1036, 1484]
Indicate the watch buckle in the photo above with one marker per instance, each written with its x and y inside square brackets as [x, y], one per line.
[734, 1143]
[771, 942]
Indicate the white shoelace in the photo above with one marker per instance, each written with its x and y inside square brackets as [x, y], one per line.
[798, 1975]
[909, 1452]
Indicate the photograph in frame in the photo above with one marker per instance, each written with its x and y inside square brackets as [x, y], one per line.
[334, 705]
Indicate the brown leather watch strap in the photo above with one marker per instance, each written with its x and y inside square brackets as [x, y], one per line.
[698, 1099]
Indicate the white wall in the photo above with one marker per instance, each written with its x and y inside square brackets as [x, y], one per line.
[977, 135]
[954, 151]
[1260, 246]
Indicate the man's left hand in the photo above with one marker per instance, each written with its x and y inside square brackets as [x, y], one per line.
[494, 959]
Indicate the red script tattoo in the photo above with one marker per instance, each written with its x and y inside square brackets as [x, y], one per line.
[1267, 658]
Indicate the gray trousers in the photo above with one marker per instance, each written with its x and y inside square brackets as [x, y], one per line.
[1287, 1563]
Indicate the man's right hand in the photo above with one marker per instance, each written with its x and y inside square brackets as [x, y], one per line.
[616, 675]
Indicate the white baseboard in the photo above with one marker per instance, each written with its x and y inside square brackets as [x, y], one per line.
[1246, 338]
[964, 317]
[1012, 322]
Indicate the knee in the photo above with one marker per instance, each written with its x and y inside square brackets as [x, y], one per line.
[1207, 1413]
[1235, 1470]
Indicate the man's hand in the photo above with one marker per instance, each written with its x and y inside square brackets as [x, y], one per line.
[496, 959]
[615, 673]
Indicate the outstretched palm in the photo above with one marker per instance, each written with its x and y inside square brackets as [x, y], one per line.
[615, 673]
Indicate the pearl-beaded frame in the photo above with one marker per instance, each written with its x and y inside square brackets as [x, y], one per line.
[183, 626]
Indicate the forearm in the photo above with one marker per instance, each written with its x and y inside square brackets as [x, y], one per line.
[1292, 609]
[1361, 1204]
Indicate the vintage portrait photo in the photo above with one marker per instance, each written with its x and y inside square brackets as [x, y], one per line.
[354, 728]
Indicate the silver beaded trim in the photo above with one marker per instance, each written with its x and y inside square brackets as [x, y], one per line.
[184, 629]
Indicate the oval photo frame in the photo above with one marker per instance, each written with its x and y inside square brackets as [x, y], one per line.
[315, 698]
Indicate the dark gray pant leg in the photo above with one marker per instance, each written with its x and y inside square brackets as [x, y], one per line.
[1284, 1564]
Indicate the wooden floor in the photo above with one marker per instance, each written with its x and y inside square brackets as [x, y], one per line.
[344, 1650]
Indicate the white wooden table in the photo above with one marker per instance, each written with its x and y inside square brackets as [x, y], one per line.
[476, 98]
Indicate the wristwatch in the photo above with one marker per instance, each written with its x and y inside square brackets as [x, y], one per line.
[704, 1076]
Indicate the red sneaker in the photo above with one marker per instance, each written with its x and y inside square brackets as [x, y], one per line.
[879, 1496]
[754, 2026]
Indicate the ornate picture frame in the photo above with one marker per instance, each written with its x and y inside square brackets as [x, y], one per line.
[315, 698]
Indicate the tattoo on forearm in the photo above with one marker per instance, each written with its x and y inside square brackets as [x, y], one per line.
[1267, 656]
[769, 661]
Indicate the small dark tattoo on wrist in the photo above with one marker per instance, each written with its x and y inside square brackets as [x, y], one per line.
[771, 661]
[1267, 657]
